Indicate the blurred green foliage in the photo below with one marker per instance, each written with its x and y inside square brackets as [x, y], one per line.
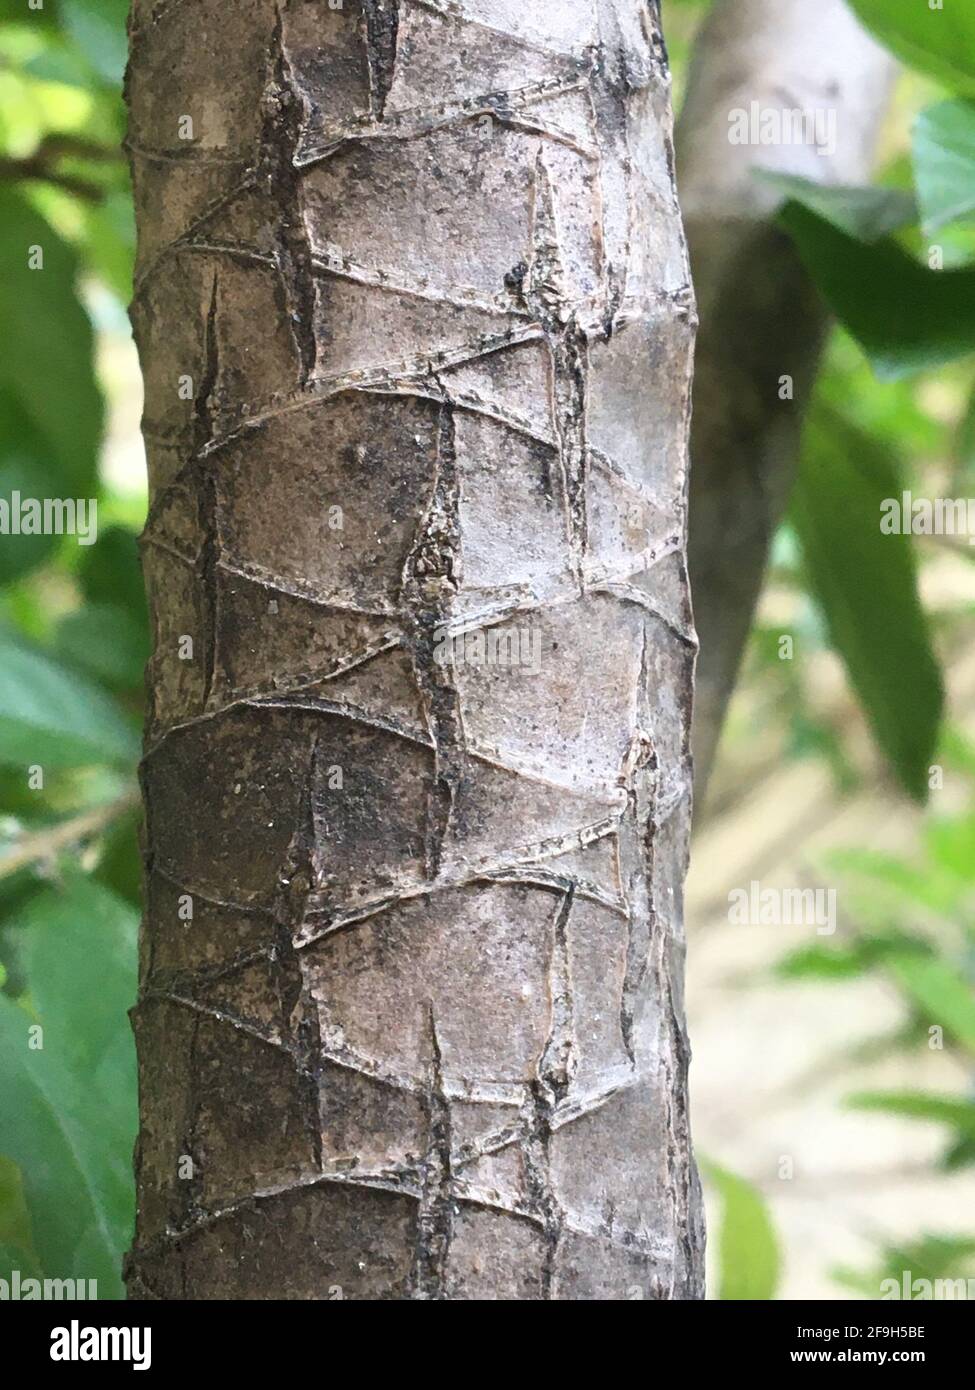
[73, 643]
[749, 1262]
[912, 924]
[73, 630]
[935, 39]
[66, 1106]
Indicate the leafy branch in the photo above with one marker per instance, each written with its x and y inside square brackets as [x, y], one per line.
[42, 165]
[43, 846]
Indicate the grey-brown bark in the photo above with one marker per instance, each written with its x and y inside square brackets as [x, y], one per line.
[761, 318]
[422, 276]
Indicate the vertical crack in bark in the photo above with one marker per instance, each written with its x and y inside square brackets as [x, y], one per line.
[300, 876]
[434, 1223]
[203, 427]
[608, 104]
[382, 39]
[551, 1085]
[284, 109]
[542, 288]
[559, 1056]
[190, 1187]
[682, 1174]
[641, 928]
[637, 849]
[430, 582]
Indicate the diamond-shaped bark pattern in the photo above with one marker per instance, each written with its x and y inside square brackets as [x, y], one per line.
[413, 308]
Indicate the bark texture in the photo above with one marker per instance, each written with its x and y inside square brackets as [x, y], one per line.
[422, 1037]
[761, 318]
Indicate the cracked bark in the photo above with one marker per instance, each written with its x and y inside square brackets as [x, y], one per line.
[761, 318]
[422, 1035]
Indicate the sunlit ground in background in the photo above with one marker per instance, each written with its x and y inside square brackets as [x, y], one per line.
[776, 1059]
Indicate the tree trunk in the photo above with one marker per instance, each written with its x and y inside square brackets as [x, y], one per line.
[415, 321]
[761, 318]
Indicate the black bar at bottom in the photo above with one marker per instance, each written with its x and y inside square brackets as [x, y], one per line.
[172, 1338]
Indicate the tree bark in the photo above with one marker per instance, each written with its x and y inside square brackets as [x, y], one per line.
[761, 318]
[414, 314]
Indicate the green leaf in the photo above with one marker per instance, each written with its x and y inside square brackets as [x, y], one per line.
[961, 1154]
[821, 963]
[893, 885]
[930, 1257]
[845, 961]
[24, 468]
[964, 445]
[80, 962]
[866, 584]
[17, 12]
[939, 42]
[865, 213]
[98, 27]
[944, 996]
[957, 750]
[47, 1128]
[110, 244]
[68, 1109]
[955, 1111]
[60, 62]
[110, 572]
[120, 866]
[944, 163]
[55, 717]
[748, 1250]
[904, 316]
[48, 361]
[15, 1260]
[107, 642]
[952, 846]
[14, 1218]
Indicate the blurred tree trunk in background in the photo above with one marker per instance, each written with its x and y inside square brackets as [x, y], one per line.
[761, 318]
[416, 327]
